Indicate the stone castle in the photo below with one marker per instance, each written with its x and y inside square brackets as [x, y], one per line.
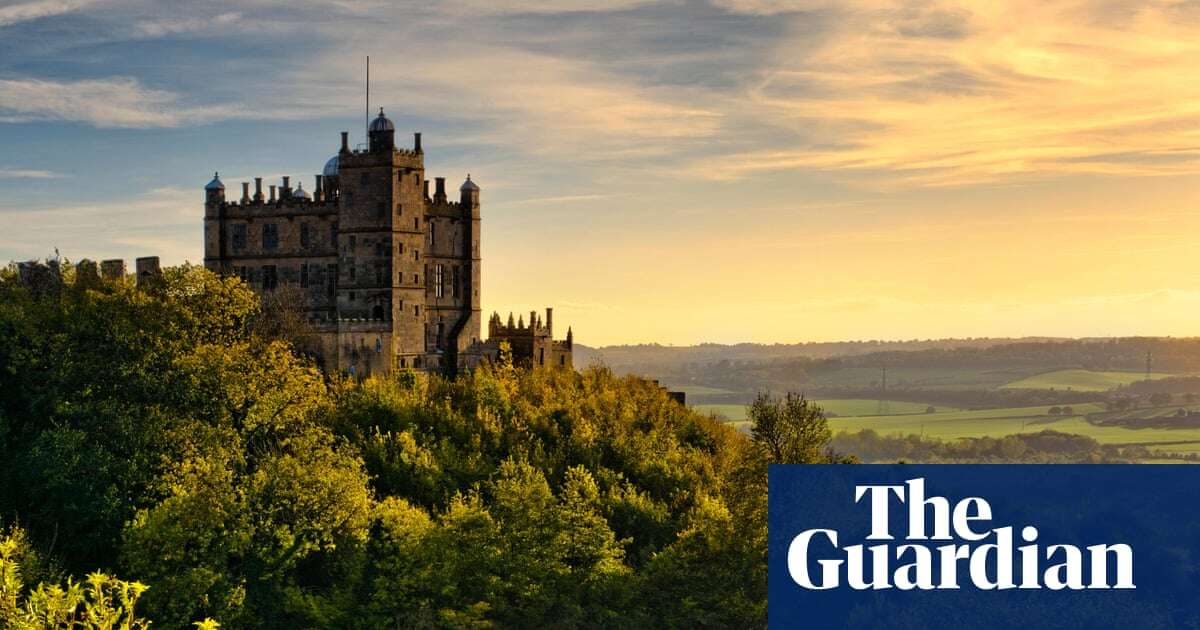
[387, 273]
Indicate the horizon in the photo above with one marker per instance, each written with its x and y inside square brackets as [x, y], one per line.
[733, 171]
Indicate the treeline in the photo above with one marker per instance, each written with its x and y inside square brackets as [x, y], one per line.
[639, 356]
[163, 435]
[967, 398]
[1044, 447]
[747, 368]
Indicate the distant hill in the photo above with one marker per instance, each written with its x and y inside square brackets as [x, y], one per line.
[640, 355]
[946, 368]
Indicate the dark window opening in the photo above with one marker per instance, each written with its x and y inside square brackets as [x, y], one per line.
[239, 237]
[304, 275]
[270, 278]
[305, 236]
[270, 236]
[377, 312]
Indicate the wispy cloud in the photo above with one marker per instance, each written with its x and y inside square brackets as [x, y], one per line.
[162, 27]
[159, 222]
[27, 173]
[120, 102]
[25, 11]
[952, 94]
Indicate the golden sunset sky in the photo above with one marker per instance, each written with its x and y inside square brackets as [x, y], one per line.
[672, 172]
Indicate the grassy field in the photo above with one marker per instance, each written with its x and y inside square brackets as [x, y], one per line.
[1001, 422]
[838, 407]
[1080, 380]
[922, 377]
[908, 418]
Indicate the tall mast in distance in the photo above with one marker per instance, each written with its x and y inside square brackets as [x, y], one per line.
[367, 110]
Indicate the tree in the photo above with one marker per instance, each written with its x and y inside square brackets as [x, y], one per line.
[789, 430]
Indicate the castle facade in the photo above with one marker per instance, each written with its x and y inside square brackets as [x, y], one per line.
[386, 272]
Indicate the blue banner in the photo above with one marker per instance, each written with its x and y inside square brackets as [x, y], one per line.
[984, 546]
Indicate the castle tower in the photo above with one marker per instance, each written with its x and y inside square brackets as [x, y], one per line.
[214, 226]
[453, 297]
[381, 244]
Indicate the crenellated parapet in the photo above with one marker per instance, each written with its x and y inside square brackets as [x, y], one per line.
[532, 342]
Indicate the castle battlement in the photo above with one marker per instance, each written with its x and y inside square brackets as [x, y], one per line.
[532, 343]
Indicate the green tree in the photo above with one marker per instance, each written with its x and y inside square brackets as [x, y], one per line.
[790, 430]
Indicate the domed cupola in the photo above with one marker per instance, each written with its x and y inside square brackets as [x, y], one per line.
[331, 167]
[469, 193]
[381, 123]
[215, 184]
[214, 191]
[382, 133]
[300, 193]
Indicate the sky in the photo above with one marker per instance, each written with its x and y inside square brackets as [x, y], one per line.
[673, 172]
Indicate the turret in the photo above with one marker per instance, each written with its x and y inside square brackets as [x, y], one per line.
[469, 193]
[381, 133]
[214, 191]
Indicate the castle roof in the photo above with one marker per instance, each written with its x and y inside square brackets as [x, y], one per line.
[215, 184]
[331, 167]
[468, 185]
[300, 193]
[381, 123]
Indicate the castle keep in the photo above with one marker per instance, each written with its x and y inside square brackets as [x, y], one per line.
[387, 273]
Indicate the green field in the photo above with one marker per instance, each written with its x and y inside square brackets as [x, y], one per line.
[922, 377]
[908, 418]
[1002, 422]
[837, 407]
[1080, 380]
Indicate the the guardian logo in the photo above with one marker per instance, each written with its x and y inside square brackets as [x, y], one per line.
[974, 554]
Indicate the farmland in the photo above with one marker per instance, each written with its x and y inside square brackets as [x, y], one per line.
[955, 424]
[833, 408]
[1080, 380]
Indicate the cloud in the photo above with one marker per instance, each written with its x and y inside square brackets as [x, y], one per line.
[160, 222]
[954, 94]
[26, 11]
[181, 25]
[534, 103]
[112, 102]
[25, 173]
